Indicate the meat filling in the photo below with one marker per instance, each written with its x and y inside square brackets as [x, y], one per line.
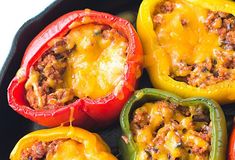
[163, 8]
[219, 65]
[217, 69]
[47, 89]
[39, 150]
[163, 130]
[222, 24]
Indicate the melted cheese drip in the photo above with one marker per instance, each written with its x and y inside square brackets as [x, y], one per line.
[33, 82]
[162, 114]
[96, 66]
[191, 43]
[69, 149]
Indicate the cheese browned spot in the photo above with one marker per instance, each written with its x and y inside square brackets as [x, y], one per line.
[199, 42]
[88, 62]
[163, 130]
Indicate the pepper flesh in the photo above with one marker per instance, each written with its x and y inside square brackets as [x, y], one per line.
[93, 147]
[157, 60]
[231, 150]
[85, 112]
[128, 146]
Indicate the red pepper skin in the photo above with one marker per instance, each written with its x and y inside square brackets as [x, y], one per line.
[84, 112]
[231, 151]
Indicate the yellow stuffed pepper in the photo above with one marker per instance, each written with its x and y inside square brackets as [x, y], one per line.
[61, 143]
[189, 46]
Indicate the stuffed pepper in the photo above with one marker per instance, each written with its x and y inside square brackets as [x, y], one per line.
[190, 46]
[159, 125]
[61, 143]
[83, 65]
[231, 150]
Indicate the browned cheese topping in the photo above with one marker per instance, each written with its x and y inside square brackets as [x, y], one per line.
[201, 43]
[163, 130]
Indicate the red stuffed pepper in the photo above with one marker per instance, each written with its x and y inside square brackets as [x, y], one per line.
[82, 67]
[231, 151]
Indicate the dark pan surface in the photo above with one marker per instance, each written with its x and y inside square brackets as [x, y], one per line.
[14, 126]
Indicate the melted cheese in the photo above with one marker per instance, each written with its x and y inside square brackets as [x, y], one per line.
[96, 66]
[33, 82]
[69, 149]
[169, 139]
[191, 43]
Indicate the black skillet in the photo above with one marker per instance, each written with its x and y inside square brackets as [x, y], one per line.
[14, 126]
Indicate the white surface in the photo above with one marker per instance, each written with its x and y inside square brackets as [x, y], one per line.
[13, 14]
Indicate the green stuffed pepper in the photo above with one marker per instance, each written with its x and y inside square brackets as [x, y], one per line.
[160, 125]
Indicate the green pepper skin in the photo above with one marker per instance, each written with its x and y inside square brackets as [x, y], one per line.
[129, 149]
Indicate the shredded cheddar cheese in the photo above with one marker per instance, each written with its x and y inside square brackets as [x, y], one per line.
[96, 66]
[191, 42]
[163, 131]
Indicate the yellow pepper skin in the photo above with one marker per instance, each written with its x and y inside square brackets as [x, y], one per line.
[94, 147]
[158, 64]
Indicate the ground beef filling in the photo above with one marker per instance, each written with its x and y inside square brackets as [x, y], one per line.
[44, 88]
[39, 150]
[161, 9]
[222, 24]
[220, 66]
[217, 69]
[163, 130]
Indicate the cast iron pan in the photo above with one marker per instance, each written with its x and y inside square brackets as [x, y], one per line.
[14, 126]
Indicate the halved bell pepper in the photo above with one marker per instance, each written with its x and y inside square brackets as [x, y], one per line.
[131, 150]
[185, 38]
[61, 143]
[231, 150]
[84, 111]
